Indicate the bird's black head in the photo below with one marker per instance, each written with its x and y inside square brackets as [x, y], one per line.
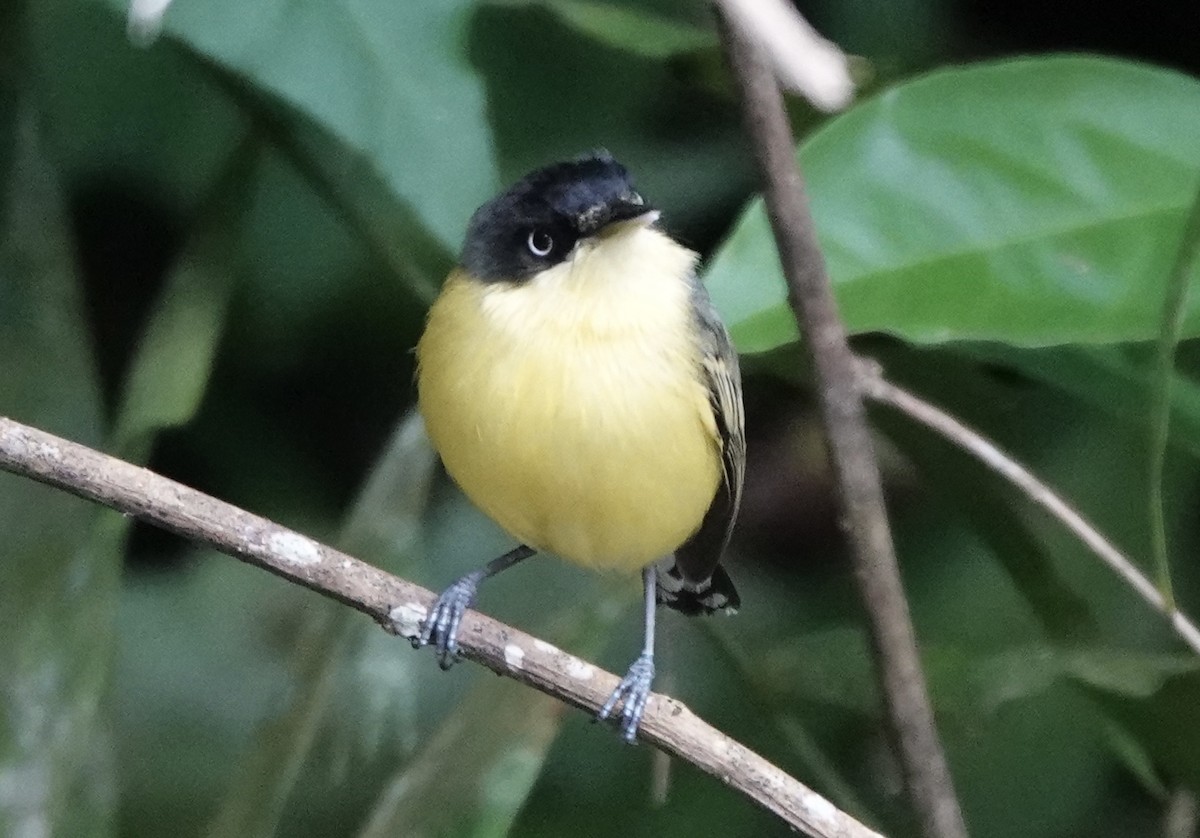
[534, 224]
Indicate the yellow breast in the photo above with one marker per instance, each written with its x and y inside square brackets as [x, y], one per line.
[571, 408]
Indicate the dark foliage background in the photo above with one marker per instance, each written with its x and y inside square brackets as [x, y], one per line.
[215, 255]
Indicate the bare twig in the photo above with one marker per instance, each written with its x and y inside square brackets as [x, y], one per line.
[399, 606]
[876, 388]
[851, 449]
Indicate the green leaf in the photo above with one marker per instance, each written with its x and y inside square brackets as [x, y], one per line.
[1031, 201]
[141, 118]
[387, 225]
[1132, 754]
[1113, 379]
[1132, 674]
[170, 371]
[476, 772]
[384, 526]
[631, 28]
[56, 596]
[1173, 312]
[390, 80]
[1162, 714]
[763, 697]
[962, 483]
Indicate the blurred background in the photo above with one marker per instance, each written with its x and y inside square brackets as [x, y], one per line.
[216, 250]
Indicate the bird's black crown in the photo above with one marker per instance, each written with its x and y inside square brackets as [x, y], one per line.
[536, 222]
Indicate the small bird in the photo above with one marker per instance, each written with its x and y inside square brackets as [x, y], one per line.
[583, 392]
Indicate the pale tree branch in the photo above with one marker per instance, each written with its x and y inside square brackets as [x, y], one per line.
[399, 606]
[1181, 816]
[877, 388]
[851, 449]
[803, 61]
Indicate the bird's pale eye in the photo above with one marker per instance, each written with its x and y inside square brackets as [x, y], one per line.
[540, 243]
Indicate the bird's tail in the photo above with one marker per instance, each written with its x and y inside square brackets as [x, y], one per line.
[717, 593]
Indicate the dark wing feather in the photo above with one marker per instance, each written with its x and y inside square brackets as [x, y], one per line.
[696, 562]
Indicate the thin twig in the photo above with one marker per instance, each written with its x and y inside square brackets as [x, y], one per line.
[851, 449]
[399, 606]
[876, 388]
[1174, 309]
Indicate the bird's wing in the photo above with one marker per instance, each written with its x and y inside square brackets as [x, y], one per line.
[697, 559]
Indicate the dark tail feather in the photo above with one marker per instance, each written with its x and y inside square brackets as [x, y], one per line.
[714, 594]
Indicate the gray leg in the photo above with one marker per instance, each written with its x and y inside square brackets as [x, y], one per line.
[634, 690]
[440, 627]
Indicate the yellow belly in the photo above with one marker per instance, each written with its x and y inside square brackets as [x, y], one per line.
[577, 435]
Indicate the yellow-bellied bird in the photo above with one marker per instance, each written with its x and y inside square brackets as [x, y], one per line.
[582, 391]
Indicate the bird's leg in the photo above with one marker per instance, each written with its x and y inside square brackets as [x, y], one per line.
[634, 690]
[440, 626]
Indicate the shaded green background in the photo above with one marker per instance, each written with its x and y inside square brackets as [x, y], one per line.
[215, 256]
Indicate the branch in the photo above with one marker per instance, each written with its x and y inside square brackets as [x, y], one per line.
[876, 388]
[1181, 816]
[851, 451]
[399, 606]
[803, 61]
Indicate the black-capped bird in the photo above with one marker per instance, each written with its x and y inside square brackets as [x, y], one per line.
[582, 391]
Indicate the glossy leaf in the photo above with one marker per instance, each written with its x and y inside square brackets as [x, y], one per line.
[1031, 201]
[390, 80]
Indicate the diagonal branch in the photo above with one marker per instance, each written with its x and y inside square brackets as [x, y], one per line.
[877, 388]
[851, 450]
[399, 606]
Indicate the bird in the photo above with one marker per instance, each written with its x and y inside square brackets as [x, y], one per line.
[582, 391]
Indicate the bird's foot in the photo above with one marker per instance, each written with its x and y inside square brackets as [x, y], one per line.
[632, 694]
[440, 626]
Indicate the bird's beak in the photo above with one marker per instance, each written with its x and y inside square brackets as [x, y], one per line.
[629, 212]
[625, 217]
[644, 219]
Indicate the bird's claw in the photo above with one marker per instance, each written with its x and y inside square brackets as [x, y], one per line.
[440, 626]
[632, 694]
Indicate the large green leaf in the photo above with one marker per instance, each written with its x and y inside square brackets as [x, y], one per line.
[1032, 202]
[1113, 379]
[390, 80]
